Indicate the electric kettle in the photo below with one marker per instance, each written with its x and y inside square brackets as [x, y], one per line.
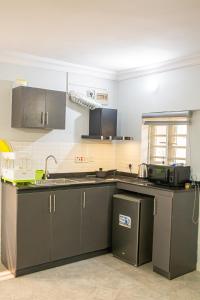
[142, 171]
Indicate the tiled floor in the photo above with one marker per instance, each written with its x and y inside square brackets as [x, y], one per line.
[101, 278]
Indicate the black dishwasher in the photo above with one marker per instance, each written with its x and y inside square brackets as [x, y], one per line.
[132, 233]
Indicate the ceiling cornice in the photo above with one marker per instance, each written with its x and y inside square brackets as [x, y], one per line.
[54, 64]
[166, 66]
[58, 65]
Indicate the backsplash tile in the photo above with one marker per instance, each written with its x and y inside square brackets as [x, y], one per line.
[127, 152]
[104, 155]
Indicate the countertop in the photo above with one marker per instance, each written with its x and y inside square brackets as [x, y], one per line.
[92, 180]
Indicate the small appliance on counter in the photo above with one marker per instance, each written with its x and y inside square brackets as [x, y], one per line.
[103, 174]
[17, 167]
[175, 175]
[143, 171]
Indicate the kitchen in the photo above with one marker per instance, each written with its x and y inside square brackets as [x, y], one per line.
[166, 90]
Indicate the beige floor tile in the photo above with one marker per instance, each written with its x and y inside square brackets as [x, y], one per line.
[100, 278]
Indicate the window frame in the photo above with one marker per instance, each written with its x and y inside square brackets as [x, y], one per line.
[170, 156]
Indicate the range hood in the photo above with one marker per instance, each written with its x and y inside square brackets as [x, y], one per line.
[103, 125]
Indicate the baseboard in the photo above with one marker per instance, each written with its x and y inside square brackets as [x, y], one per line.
[60, 262]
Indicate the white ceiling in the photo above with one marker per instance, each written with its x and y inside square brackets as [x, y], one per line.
[111, 34]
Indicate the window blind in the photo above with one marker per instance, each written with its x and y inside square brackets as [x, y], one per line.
[167, 118]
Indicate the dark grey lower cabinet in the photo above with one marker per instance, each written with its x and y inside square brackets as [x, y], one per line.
[81, 221]
[162, 231]
[48, 226]
[40, 228]
[66, 223]
[97, 218]
[175, 234]
[33, 230]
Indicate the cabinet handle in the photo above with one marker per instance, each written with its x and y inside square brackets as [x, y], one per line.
[54, 203]
[50, 206]
[47, 118]
[42, 118]
[154, 206]
[83, 199]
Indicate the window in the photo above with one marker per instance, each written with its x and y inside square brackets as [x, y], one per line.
[165, 137]
[167, 143]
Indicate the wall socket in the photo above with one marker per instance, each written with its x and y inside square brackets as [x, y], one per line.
[81, 159]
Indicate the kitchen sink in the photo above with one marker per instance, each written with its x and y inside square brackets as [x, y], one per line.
[55, 181]
[85, 180]
[93, 179]
[68, 181]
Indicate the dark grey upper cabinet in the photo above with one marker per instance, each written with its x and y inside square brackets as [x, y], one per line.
[38, 108]
[55, 109]
[66, 223]
[33, 230]
[97, 218]
[103, 122]
[28, 107]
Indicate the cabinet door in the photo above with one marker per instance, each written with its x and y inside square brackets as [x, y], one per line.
[162, 232]
[66, 223]
[34, 107]
[33, 229]
[97, 218]
[55, 109]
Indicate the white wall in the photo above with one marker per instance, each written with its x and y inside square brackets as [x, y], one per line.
[176, 90]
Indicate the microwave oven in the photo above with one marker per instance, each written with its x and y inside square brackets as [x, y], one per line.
[174, 175]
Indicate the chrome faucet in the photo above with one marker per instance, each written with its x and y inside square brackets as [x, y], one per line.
[46, 173]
